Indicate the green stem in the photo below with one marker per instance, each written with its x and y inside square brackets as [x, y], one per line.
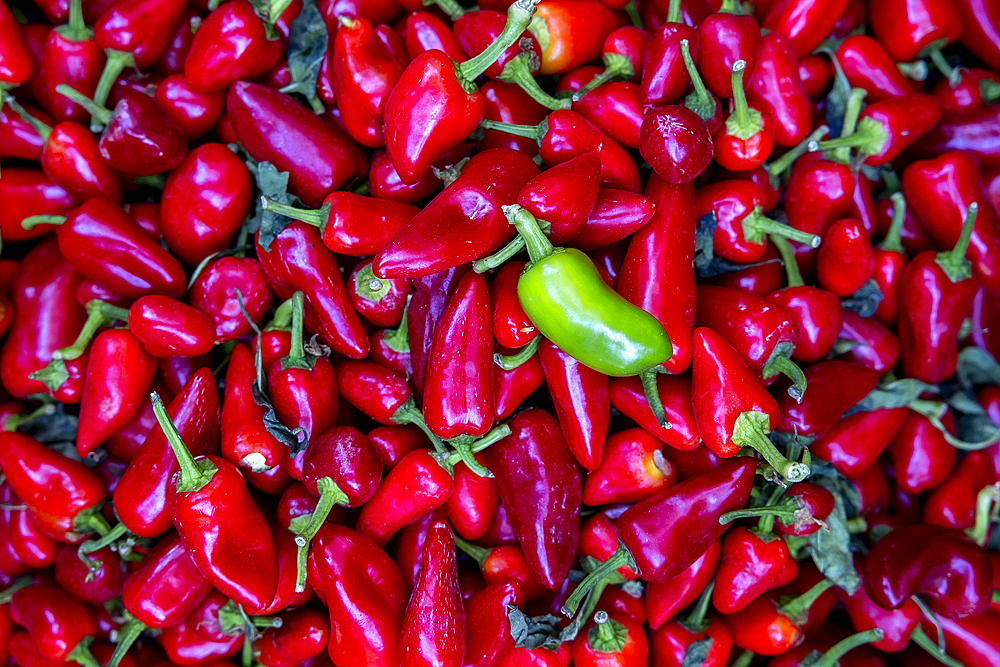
[41, 128]
[99, 314]
[756, 226]
[12, 422]
[99, 113]
[539, 246]
[520, 70]
[750, 430]
[783, 512]
[869, 138]
[75, 29]
[791, 264]
[509, 362]
[616, 66]
[297, 357]
[674, 11]
[989, 90]
[518, 17]
[651, 389]
[916, 70]
[398, 339]
[844, 646]
[19, 583]
[745, 659]
[116, 64]
[498, 258]
[744, 122]
[316, 218]
[779, 363]
[855, 100]
[603, 571]
[634, 16]
[127, 634]
[700, 101]
[82, 655]
[282, 316]
[90, 521]
[893, 241]
[784, 163]
[765, 526]
[329, 495]
[408, 413]
[90, 546]
[695, 622]
[942, 65]
[474, 551]
[921, 639]
[155, 181]
[496, 434]
[449, 7]
[953, 262]
[32, 220]
[536, 132]
[986, 502]
[798, 607]
[193, 476]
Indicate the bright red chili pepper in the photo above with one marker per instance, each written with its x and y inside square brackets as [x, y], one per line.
[194, 112]
[508, 103]
[846, 259]
[775, 86]
[611, 641]
[676, 142]
[72, 159]
[16, 61]
[751, 565]
[166, 586]
[511, 387]
[922, 457]
[868, 65]
[854, 443]
[18, 136]
[383, 306]
[872, 344]
[487, 628]
[230, 45]
[73, 57]
[615, 216]
[59, 624]
[911, 28]
[511, 326]
[980, 29]
[896, 625]
[664, 77]
[302, 635]
[94, 587]
[473, 501]
[953, 503]
[833, 387]
[668, 644]
[245, 441]
[573, 32]
[628, 396]
[666, 598]
[971, 640]
[819, 192]
[806, 23]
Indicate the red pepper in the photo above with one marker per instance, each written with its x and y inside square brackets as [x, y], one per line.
[628, 396]
[383, 306]
[458, 387]
[769, 628]
[896, 625]
[763, 333]
[119, 374]
[854, 443]
[937, 291]
[980, 29]
[367, 597]
[433, 629]
[564, 196]
[971, 640]
[911, 28]
[423, 31]
[73, 57]
[732, 408]
[185, 646]
[59, 624]
[302, 635]
[833, 388]
[230, 45]
[664, 77]
[72, 159]
[473, 501]
[298, 261]
[16, 61]
[611, 641]
[92, 586]
[141, 494]
[511, 387]
[806, 23]
[872, 344]
[723, 39]
[166, 586]
[546, 520]
[18, 136]
[890, 260]
[32, 546]
[669, 643]
[940, 191]
[168, 328]
[379, 393]
[953, 503]
[615, 108]
[573, 32]
[508, 103]
[245, 441]
[658, 273]
[666, 598]
[752, 564]
[271, 126]
[846, 259]
[194, 112]
[922, 457]
[954, 574]
[868, 65]
[676, 142]
[511, 325]
[487, 628]
[615, 216]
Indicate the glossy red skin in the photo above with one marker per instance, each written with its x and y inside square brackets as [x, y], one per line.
[186, 647]
[814, 72]
[73, 60]
[805, 22]
[535, 456]
[168, 328]
[434, 240]
[986, 330]
[458, 392]
[172, 60]
[819, 316]
[47, 317]
[104, 243]
[409, 548]
[669, 643]
[751, 324]
[762, 279]
[564, 195]
[364, 74]
[284, 543]
[141, 494]
[392, 443]
[953, 502]
[303, 634]
[272, 126]
[386, 351]
[631, 42]
[166, 586]
[34, 36]
[204, 620]
[921, 456]
[904, 119]
[615, 108]
[374, 390]
[599, 538]
[972, 639]
[176, 371]
[119, 375]
[819, 192]
[388, 310]
[940, 191]
[56, 621]
[487, 629]
[511, 325]
[664, 77]
[474, 31]
[846, 258]
[627, 396]
[817, 499]
[731, 201]
[635, 650]
[738, 154]
[868, 65]
[676, 142]
[865, 615]
[385, 182]
[214, 293]
[71, 158]
[32, 547]
[141, 139]
[427, 305]
[665, 247]
[932, 308]
[966, 97]
[144, 29]
[473, 501]
[367, 595]
[55, 488]
[576, 29]
[649, 529]
[582, 401]
[305, 398]
[615, 216]
[775, 84]
[722, 40]
[907, 27]
[147, 215]
[877, 347]
[16, 62]
[980, 28]
[196, 113]
[28, 192]
[507, 103]
[854, 443]
[417, 485]
[106, 584]
[345, 455]
[17, 136]
[204, 202]
[889, 266]
[423, 31]
[953, 573]
[298, 260]
[569, 135]
[511, 388]
[230, 45]
[834, 386]
[760, 628]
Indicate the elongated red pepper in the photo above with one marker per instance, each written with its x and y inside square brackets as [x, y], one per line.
[301, 636]
[16, 61]
[854, 443]
[834, 387]
[473, 501]
[868, 65]
[872, 344]
[896, 625]
[818, 193]
[166, 586]
[487, 628]
[194, 112]
[971, 640]
[805, 22]
[245, 441]
[363, 77]
[511, 387]
[59, 624]
[909, 28]
[615, 216]
[628, 396]
[666, 598]
[922, 457]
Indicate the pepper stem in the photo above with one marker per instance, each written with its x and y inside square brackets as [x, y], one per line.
[750, 431]
[784, 163]
[780, 363]
[19, 583]
[520, 70]
[744, 122]
[941, 63]
[193, 475]
[921, 639]
[607, 635]
[987, 502]
[797, 608]
[616, 66]
[449, 7]
[498, 258]
[844, 646]
[518, 17]
[41, 128]
[605, 570]
[474, 551]
[496, 434]
[116, 64]
[536, 132]
[329, 495]
[869, 138]
[316, 218]
[76, 29]
[989, 90]
[297, 357]
[509, 362]
[91, 546]
[31, 221]
[82, 655]
[651, 389]
[745, 659]
[783, 512]
[788, 257]
[408, 413]
[633, 15]
[674, 11]
[99, 314]
[700, 101]
[127, 634]
[756, 226]
[100, 115]
[855, 99]
[953, 262]
[398, 339]
[539, 246]
[893, 241]
[695, 622]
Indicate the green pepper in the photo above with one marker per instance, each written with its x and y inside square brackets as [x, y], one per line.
[565, 297]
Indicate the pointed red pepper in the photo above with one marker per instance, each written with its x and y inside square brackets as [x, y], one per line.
[752, 564]
[232, 44]
[911, 28]
[666, 598]
[628, 396]
[833, 388]
[775, 85]
[615, 216]
[806, 23]
[632, 469]
[868, 65]
[922, 457]
[846, 259]
[16, 61]
[60, 625]
[512, 387]
[245, 441]
[664, 77]
[745, 140]
[871, 343]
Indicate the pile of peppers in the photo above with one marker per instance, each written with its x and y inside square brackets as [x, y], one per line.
[411, 333]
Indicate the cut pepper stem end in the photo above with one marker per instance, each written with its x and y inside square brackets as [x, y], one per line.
[954, 262]
[193, 475]
[757, 226]
[603, 571]
[784, 163]
[798, 607]
[652, 391]
[744, 122]
[518, 17]
[316, 218]
[750, 431]
[511, 361]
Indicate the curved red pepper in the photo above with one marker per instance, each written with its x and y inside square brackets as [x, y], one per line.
[58, 623]
[971, 640]
[666, 598]
[92, 586]
[230, 45]
[908, 28]
[511, 325]
[627, 395]
[510, 388]
[168, 328]
[615, 216]
[833, 387]
[854, 443]
[664, 77]
[564, 195]
[896, 625]
[166, 586]
[487, 628]
[868, 65]
[846, 259]
[873, 344]
[16, 61]
[473, 501]
[806, 23]
[194, 112]
[302, 635]
[245, 441]
[775, 86]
